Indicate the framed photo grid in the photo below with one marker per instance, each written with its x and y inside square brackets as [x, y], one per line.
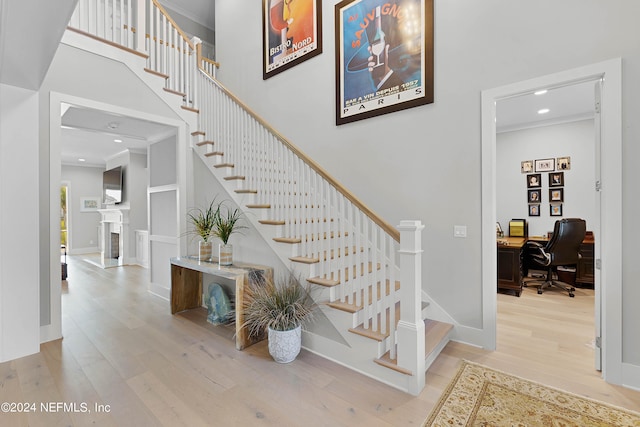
[381, 66]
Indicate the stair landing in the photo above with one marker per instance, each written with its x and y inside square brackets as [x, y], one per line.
[436, 336]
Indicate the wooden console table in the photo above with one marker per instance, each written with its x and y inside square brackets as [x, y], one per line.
[186, 287]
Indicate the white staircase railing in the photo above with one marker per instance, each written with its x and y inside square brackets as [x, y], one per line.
[354, 253]
[144, 26]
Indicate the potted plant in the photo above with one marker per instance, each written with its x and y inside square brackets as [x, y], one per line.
[203, 221]
[279, 308]
[226, 221]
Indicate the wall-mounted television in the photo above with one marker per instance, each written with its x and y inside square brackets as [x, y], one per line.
[112, 181]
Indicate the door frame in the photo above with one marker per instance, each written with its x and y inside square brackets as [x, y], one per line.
[610, 238]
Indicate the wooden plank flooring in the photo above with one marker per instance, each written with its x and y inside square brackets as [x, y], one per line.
[124, 352]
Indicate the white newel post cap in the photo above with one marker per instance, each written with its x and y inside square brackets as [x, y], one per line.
[410, 240]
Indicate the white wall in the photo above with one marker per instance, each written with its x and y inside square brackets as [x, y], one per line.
[19, 232]
[575, 140]
[83, 226]
[424, 163]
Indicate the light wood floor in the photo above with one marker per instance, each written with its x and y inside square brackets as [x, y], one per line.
[123, 349]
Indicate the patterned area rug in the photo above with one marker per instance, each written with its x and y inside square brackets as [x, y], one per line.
[480, 396]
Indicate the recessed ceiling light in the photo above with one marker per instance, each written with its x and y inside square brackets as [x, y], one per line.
[540, 92]
[117, 140]
[113, 125]
[543, 111]
[81, 160]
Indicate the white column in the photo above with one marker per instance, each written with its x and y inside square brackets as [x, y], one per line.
[411, 341]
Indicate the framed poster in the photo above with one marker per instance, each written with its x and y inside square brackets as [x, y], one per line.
[556, 195]
[555, 210]
[534, 196]
[384, 57]
[291, 33]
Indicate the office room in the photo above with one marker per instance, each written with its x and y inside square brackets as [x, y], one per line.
[546, 170]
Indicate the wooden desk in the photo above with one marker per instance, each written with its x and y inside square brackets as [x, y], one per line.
[186, 287]
[510, 263]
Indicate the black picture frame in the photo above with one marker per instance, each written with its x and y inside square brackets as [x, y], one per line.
[534, 180]
[401, 74]
[534, 210]
[288, 42]
[545, 165]
[556, 179]
[534, 196]
[556, 195]
[555, 209]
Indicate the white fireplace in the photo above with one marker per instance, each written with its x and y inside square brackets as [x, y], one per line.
[114, 236]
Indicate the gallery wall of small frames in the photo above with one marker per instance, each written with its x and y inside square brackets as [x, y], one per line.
[549, 173]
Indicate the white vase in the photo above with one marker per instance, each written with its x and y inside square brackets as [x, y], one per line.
[205, 250]
[284, 346]
[225, 254]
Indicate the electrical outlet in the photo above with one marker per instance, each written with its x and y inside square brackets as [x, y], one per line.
[459, 231]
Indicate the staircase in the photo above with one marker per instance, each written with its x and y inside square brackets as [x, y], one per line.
[367, 273]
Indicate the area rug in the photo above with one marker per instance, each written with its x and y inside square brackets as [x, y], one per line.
[481, 396]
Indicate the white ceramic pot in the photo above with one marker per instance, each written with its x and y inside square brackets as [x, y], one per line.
[284, 346]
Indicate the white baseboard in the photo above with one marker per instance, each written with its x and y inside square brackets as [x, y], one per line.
[82, 251]
[631, 375]
[160, 291]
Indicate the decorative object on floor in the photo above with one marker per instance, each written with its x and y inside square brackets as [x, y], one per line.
[478, 395]
[219, 310]
[226, 221]
[280, 308]
[203, 223]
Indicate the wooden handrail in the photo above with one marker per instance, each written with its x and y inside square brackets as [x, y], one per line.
[166, 14]
[388, 228]
[210, 61]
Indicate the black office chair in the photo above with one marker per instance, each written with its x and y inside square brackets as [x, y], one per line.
[562, 249]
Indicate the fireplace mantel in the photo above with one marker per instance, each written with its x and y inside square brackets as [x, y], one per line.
[114, 221]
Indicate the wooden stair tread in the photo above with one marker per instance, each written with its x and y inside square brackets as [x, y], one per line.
[214, 153]
[156, 73]
[271, 222]
[201, 143]
[246, 191]
[197, 133]
[224, 165]
[376, 335]
[434, 333]
[194, 110]
[234, 177]
[291, 240]
[263, 206]
[323, 282]
[304, 260]
[175, 92]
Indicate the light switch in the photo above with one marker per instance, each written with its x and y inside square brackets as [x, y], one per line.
[459, 231]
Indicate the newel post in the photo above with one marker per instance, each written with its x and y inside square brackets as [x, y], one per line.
[141, 26]
[410, 336]
[196, 64]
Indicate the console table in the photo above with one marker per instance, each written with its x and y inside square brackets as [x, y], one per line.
[186, 287]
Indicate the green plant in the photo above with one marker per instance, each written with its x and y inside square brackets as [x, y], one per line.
[226, 222]
[281, 306]
[203, 220]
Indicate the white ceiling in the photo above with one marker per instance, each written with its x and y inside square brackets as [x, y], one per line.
[91, 135]
[565, 104]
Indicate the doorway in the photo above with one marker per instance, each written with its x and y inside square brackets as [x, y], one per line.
[608, 280]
